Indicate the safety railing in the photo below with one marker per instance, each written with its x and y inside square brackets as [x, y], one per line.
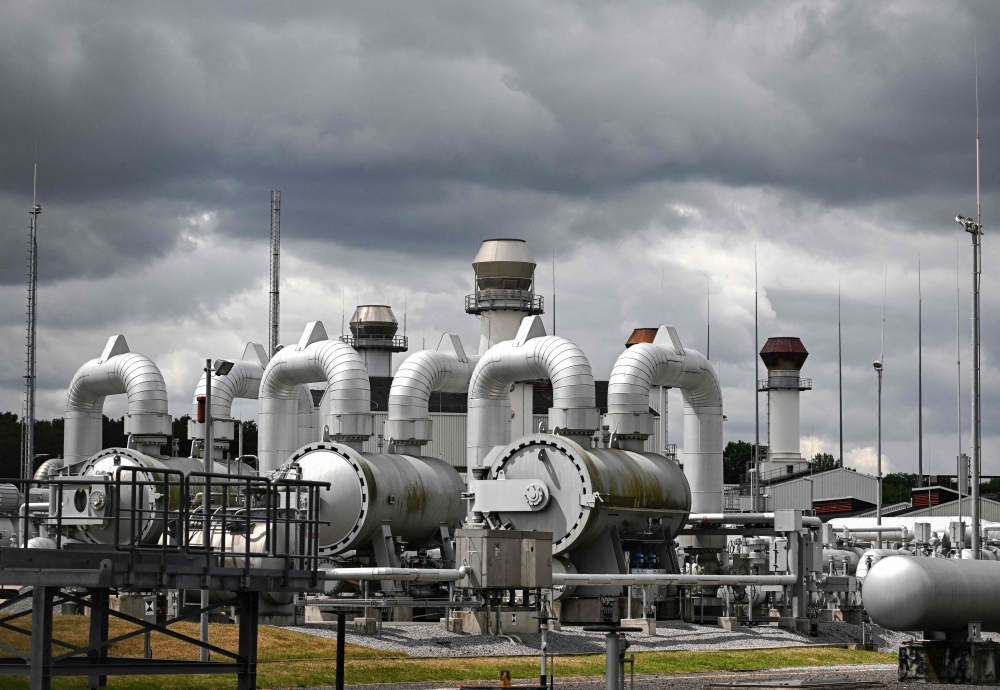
[499, 298]
[252, 522]
[396, 343]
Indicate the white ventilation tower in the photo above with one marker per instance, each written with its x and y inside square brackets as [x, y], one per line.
[505, 278]
[373, 335]
[783, 358]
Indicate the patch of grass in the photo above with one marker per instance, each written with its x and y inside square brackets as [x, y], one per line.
[290, 659]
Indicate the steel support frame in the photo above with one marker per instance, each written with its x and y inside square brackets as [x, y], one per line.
[93, 661]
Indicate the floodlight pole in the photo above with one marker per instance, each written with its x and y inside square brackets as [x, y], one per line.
[206, 499]
[975, 229]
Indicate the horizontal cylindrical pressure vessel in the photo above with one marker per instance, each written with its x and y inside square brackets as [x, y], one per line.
[414, 495]
[592, 490]
[933, 594]
[96, 500]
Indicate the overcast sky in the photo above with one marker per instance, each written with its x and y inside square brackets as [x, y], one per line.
[650, 147]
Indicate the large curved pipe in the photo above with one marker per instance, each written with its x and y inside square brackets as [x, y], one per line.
[242, 381]
[531, 355]
[665, 362]
[447, 369]
[116, 371]
[315, 358]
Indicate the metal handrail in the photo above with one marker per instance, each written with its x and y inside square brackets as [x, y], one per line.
[502, 298]
[784, 383]
[398, 343]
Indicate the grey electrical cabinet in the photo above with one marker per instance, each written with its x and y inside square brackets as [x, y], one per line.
[504, 559]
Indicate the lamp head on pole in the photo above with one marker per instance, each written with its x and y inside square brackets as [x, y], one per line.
[878, 365]
[969, 225]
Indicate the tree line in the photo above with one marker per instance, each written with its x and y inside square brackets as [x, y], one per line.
[49, 440]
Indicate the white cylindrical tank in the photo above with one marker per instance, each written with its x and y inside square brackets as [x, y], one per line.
[592, 490]
[414, 495]
[933, 594]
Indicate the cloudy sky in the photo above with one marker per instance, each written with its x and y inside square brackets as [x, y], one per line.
[650, 148]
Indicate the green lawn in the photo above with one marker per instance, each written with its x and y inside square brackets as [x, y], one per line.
[290, 659]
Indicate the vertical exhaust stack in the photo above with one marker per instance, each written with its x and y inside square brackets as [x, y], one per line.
[504, 296]
[783, 357]
[373, 335]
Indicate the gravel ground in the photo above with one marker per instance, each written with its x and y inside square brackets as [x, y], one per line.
[882, 673]
[428, 640]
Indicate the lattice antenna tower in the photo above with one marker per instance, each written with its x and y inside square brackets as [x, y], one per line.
[28, 418]
[274, 306]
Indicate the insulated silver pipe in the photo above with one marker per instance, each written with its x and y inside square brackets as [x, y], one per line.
[665, 362]
[531, 355]
[448, 370]
[397, 574]
[580, 579]
[116, 371]
[315, 358]
[746, 518]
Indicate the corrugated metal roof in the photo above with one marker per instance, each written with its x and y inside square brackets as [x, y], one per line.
[842, 482]
[796, 494]
[988, 510]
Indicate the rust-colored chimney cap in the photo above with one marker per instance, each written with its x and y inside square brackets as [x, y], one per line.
[641, 335]
[784, 352]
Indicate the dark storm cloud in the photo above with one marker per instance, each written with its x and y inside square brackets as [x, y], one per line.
[423, 125]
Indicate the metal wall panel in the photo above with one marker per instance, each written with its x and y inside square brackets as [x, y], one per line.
[447, 444]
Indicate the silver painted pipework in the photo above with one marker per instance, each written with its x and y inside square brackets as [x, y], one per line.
[397, 574]
[531, 355]
[746, 518]
[665, 362]
[116, 371]
[242, 381]
[315, 358]
[447, 370]
[668, 579]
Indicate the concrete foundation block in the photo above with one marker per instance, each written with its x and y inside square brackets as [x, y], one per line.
[365, 626]
[453, 625]
[511, 623]
[852, 616]
[786, 622]
[728, 623]
[648, 625]
[949, 661]
[831, 616]
[803, 625]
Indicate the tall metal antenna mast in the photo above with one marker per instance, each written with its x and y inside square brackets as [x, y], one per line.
[920, 378]
[553, 291]
[975, 228]
[274, 308]
[28, 419]
[755, 479]
[840, 376]
[708, 319]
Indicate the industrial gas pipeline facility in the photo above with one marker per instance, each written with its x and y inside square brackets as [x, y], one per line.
[497, 490]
